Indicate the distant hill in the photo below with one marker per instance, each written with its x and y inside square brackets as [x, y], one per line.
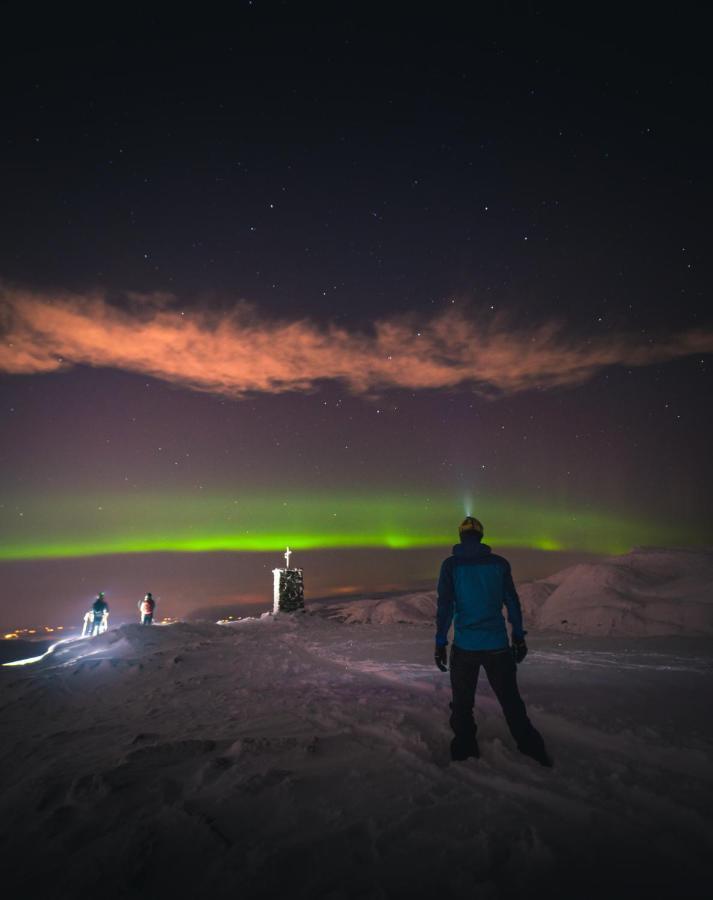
[647, 592]
[414, 608]
[650, 591]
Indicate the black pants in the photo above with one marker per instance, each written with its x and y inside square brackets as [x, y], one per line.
[501, 670]
[147, 618]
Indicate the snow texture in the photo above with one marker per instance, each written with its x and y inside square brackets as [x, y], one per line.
[298, 756]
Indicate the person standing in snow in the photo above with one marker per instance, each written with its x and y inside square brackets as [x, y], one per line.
[473, 586]
[100, 614]
[146, 608]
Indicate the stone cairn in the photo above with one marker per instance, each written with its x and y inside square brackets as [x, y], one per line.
[289, 591]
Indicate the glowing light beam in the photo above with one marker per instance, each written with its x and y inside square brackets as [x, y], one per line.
[35, 659]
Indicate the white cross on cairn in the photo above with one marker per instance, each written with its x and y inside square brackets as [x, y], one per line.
[288, 554]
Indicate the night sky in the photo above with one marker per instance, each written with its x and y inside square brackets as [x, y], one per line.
[334, 279]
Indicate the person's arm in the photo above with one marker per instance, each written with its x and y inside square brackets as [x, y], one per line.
[512, 602]
[446, 603]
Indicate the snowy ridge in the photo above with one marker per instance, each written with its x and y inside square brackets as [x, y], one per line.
[412, 609]
[645, 593]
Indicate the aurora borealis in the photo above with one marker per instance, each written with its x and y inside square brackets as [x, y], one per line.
[274, 287]
[154, 523]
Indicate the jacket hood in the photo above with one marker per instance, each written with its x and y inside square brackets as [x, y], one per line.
[471, 548]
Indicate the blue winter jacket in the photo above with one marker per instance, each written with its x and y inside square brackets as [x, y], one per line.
[473, 586]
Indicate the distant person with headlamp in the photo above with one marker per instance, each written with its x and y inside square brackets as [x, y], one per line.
[100, 615]
[473, 586]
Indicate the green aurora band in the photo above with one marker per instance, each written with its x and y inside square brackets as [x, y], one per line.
[80, 526]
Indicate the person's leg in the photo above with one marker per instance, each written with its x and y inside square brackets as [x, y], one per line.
[464, 669]
[502, 675]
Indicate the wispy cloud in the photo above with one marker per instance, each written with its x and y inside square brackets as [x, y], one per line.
[235, 352]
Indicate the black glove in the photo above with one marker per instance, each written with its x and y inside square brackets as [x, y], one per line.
[519, 650]
[441, 657]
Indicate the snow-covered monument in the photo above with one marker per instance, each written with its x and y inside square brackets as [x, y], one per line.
[288, 591]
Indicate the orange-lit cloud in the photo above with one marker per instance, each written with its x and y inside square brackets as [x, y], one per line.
[235, 352]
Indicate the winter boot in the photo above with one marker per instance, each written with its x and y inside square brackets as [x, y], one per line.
[464, 745]
[462, 749]
[534, 747]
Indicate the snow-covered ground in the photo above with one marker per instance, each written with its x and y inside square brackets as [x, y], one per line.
[308, 758]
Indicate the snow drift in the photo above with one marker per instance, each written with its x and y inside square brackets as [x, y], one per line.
[645, 593]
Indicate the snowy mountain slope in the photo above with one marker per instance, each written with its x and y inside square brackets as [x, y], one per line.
[644, 593]
[297, 755]
[413, 609]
